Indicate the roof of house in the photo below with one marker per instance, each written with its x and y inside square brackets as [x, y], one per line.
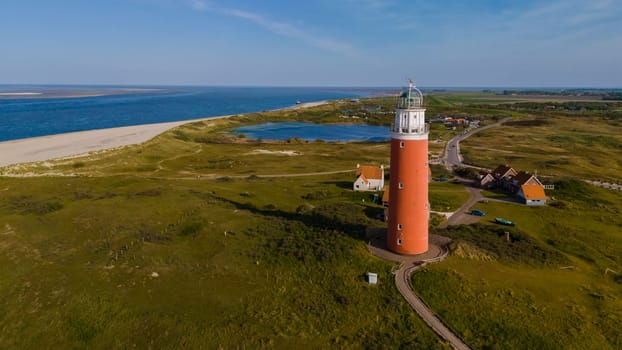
[533, 192]
[486, 178]
[501, 171]
[371, 172]
[385, 195]
[522, 177]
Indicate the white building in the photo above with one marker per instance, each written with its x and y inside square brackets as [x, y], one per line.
[369, 178]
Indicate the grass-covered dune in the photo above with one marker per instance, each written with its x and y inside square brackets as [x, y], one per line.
[554, 284]
[117, 262]
[181, 243]
[202, 239]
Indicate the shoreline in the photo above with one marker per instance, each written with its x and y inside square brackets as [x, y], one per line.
[78, 143]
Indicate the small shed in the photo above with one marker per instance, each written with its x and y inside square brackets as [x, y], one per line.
[372, 278]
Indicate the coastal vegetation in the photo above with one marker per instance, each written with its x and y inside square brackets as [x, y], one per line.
[201, 238]
[552, 283]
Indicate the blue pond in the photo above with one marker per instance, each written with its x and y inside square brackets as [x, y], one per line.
[311, 132]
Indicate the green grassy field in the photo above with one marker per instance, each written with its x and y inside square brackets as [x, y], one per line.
[178, 243]
[546, 288]
[119, 261]
[187, 241]
[587, 147]
[447, 196]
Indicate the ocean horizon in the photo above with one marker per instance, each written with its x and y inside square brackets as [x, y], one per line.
[33, 110]
[40, 110]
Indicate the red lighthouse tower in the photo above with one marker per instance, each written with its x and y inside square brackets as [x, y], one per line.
[409, 210]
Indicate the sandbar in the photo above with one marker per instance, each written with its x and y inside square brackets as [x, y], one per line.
[72, 93]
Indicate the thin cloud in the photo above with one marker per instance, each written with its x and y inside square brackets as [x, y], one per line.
[569, 13]
[199, 5]
[281, 28]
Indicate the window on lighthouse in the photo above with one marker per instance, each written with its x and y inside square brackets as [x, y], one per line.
[399, 226]
[402, 144]
[399, 241]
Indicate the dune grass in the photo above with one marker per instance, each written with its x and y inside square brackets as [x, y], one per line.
[586, 147]
[447, 196]
[179, 242]
[117, 262]
[546, 288]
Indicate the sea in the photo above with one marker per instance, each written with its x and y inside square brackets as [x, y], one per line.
[36, 110]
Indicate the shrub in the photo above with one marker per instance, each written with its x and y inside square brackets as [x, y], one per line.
[27, 205]
[191, 228]
[304, 209]
[149, 193]
[302, 242]
[491, 241]
[315, 195]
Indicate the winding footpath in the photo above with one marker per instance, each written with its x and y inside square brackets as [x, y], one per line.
[402, 281]
[409, 264]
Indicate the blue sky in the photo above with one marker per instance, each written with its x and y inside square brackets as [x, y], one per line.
[314, 42]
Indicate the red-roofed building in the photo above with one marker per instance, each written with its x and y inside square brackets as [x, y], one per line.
[385, 197]
[532, 194]
[369, 178]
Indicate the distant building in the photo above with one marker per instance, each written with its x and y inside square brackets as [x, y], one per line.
[525, 185]
[449, 121]
[485, 180]
[514, 183]
[503, 171]
[369, 178]
[532, 194]
[385, 197]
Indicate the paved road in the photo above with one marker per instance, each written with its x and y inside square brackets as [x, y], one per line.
[458, 215]
[454, 159]
[452, 151]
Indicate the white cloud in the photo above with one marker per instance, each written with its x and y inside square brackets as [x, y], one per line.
[199, 5]
[281, 28]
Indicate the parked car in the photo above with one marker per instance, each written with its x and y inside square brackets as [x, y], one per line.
[505, 222]
[478, 212]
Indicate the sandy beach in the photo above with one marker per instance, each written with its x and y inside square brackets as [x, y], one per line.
[77, 143]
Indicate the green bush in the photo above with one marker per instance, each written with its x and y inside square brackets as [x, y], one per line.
[191, 228]
[521, 247]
